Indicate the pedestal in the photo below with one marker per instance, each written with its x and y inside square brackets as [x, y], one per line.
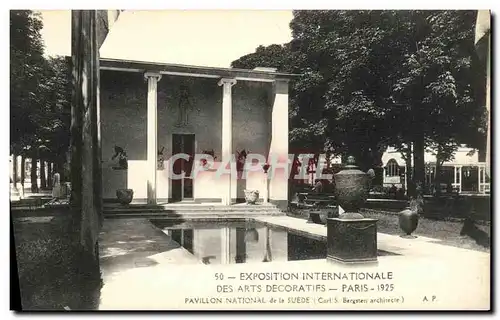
[352, 241]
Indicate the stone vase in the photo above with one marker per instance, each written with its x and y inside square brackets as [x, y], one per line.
[125, 196]
[408, 220]
[251, 196]
[351, 189]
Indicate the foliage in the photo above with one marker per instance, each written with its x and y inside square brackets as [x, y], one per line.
[435, 82]
[40, 92]
[370, 79]
[27, 66]
[273, 56]
[56, 117]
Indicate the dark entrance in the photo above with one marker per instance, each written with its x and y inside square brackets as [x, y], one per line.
[182, 189]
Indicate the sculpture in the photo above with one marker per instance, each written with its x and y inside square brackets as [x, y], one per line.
[184, 106]
[161, 159]
[210, 153]
[241, 157]
[121, 155]
[251, 196]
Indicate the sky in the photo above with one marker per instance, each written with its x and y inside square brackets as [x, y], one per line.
[212, 38]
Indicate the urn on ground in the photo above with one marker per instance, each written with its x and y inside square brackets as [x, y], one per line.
[408, 219]
[251, 196]
[125, 196]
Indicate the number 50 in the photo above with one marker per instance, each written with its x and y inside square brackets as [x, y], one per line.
[219, 276]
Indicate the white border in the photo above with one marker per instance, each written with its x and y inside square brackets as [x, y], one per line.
[184, 4]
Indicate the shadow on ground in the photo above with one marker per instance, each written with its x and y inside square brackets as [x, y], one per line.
[470, 229]
[461, 233]
[54, 272]
[134, 243]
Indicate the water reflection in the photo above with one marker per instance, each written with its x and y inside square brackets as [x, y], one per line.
[242, 242]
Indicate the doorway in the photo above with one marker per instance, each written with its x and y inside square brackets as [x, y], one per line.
[182, 189]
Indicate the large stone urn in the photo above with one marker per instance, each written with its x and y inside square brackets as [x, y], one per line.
[125, 196]
[351, 189]
[352, 238]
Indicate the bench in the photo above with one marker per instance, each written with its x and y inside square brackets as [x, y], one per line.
[319, 205]
[320, 216]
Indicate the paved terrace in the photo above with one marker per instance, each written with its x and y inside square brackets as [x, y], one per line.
[143, 269]
[418, 247]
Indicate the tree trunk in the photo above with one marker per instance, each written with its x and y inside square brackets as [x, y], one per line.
[84, 127]
[328, 157]
[437, 175]
[378, 166]
[409, 171]
[33, 176]
[23, 170]
[43, 177]
[49, 174]
[418, 159]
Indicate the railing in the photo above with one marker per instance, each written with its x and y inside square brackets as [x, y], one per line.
[484, 188]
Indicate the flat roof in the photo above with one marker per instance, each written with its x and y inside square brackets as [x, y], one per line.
[193, 71]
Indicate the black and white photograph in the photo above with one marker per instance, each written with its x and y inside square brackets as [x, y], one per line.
[250, 160]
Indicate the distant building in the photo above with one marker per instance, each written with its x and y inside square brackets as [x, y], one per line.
[464, 172]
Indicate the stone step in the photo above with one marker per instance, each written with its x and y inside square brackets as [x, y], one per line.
[14, 193]
[169, 211]
[187, 208]
[216, 215]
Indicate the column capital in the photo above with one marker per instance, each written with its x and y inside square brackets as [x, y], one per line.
[148, 75]
[227, 81]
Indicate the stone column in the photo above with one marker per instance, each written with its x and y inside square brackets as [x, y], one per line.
[479, 176]
[455, 180]
[14, 169]
[39, 174]
[152, 134]
[484, 178]
[227, 131]
[278, 184]
[459, 179]
[265, 196]
[225, 257]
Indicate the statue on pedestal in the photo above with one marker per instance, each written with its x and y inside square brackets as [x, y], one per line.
[121, 155]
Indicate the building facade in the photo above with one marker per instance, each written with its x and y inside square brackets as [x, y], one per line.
[464, 173]
[150, 112]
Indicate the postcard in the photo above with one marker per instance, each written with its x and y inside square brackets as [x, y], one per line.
[191, 160]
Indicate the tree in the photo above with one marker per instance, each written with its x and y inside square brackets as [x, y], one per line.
[273, 56]
[55, 125]
[435, 84]
[26, 68]
[370, 79]
[40, 97]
